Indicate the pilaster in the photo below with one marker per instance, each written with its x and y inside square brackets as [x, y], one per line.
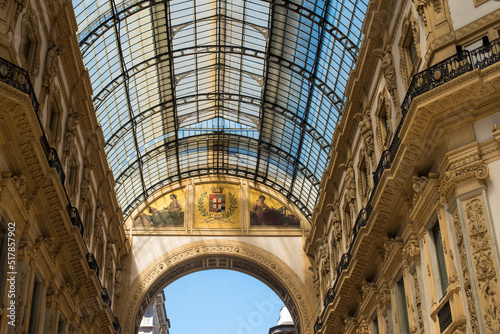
[463, 189]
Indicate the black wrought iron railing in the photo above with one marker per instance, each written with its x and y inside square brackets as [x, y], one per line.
[462, 62]
[18, 78]
[318, 324]
[105, 297]
[444, 317]
[92, 262]
[330, 296]
[116, 325]
[282, 329]
[75, 218]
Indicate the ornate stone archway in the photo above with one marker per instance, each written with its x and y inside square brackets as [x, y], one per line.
[218, 254]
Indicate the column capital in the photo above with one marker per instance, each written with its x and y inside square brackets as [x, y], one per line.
[454, 177]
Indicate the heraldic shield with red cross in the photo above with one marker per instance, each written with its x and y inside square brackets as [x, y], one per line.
[217, 202]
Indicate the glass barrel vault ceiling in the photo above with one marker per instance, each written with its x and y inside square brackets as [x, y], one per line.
[249, 88]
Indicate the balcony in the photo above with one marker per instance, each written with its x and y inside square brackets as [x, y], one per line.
[453, 67]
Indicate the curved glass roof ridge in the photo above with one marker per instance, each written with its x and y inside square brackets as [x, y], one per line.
[248, 88]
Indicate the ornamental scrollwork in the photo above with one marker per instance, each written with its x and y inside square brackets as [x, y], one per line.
[453, 177]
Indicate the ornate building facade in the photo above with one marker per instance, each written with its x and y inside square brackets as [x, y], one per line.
[155, 319]
[375, 213]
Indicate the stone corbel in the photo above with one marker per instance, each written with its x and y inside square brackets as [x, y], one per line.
[411, 252]
[19, 183]
[27, 252]
[389, 245]
[384, 294]
[392, 254]
[53, 296]
[421, 6]
[419, 184]
[350, 325]
[368, 288]
[452, 178]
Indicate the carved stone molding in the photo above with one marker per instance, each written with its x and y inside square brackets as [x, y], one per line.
[483, 262]
[19, 183]
[411, 251]
[368, 288]
[30, 29]
[479, 2]
[383, 120]
[55, 106]
[462, 257]
[418, 303]
[454, 177]
[410, 34]
[223, 254]
[392, 256]
[419, 184]
[421, 6]
[495, 130]
[51, 69]
[388, 70]
[350, 324]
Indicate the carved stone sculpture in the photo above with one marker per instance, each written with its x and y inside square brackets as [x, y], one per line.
[387, 67]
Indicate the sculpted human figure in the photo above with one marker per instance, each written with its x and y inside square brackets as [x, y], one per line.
[51, 66]
[388, 69]
[350, 185]
[420, 5]
[324, 266]
[85, 185]
[367, 134]
[71, 125]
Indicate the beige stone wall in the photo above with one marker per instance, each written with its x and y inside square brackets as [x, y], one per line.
[54, 283]
[444, 173]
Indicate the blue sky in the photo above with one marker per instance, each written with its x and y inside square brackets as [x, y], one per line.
[221, 302]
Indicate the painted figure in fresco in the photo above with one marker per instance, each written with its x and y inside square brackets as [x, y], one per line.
[175, 205]
[171, 215]
[259, 206]
[262, 214]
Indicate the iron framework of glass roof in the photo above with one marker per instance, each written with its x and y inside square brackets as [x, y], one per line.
[248, 88]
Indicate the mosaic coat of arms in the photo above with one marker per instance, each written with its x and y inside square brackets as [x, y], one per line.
[221, 206]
